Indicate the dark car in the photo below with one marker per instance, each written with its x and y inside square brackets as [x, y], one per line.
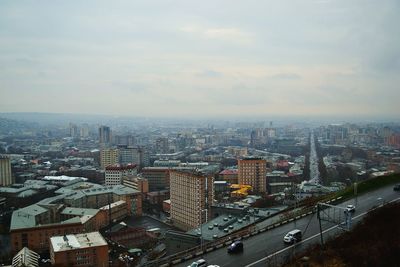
[396, 187]
[235, 247]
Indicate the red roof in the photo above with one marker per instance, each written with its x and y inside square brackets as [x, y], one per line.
[229, 171]
[282, 163]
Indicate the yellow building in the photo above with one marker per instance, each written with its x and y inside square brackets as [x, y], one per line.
[109, 157]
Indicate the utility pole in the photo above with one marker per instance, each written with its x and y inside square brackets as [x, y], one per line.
[320, 225]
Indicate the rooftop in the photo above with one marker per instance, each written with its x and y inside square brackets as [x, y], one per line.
[26, 217]
[78, 241]
[62, 178]
[26, 257]
[229, 172]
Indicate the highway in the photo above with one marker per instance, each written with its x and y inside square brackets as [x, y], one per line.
[268, 249]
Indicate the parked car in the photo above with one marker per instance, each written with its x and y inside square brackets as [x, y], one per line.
[293, 236]
[235, 247]
[198, 263]
[350, 208]
[396, 187]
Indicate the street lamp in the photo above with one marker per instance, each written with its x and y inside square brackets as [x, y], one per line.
[201, 227]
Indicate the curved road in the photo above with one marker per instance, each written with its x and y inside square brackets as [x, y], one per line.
[259, 248]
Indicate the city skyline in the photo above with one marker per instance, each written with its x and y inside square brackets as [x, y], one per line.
[208, 59]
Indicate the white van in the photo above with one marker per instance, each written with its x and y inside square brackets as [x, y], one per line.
[293, 236]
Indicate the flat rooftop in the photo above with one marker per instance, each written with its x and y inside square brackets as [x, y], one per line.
[78, 241]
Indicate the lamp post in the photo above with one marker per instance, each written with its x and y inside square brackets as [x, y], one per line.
[201, 227]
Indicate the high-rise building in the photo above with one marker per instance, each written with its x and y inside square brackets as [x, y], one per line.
[191, 194]
[104, 135]
[252, 171]
[162, 146]
[125, 140]
[73, 130]
[84, 131]
[135, 154]
[158, 177]
[88, 249]
[6, 177]
[109, 156]
[128, 154]
[115, 173]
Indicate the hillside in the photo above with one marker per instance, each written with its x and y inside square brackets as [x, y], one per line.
[373, 242]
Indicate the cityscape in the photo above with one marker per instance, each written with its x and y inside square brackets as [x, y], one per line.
[212, 133]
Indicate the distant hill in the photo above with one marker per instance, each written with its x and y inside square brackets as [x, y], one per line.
[9, 126]
[65, 118]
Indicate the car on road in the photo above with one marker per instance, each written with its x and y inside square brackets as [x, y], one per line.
[213, 265]
[350, 208]
[396, 187]
[293, 236]
[198, 263]
[235, 247]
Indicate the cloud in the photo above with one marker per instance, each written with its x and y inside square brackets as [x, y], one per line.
[227, 34]
[134, 87]
[210, 74]
[286, 76]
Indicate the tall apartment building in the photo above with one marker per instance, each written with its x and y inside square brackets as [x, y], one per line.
[133, 154]
[84, 131]
[191, 195]
[115, 173]
[104, 135]
[125, 140]
[128, 154]
[83, 250]
[252, 171]
[5, 171]
[158, 177]
[73, 130]
[109, 156]
[162, 146]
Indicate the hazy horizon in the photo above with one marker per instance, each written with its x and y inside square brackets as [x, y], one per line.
[208, 59]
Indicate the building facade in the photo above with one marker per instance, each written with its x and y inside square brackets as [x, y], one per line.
[191, 195]
[158, 177]
[115, 173]
[252, 171]
[5, 171]
[86, 250]
[109, 157]
[104, 135]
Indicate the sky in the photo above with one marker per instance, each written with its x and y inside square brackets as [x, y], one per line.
[201, 58]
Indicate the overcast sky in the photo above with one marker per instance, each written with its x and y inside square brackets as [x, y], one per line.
[201, 58]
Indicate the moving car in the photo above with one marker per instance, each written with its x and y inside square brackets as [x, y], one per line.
[396, 187]
[350, 208]
[198, 263]
[235, 247]
[293, 236]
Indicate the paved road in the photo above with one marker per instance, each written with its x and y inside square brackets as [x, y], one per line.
[314, 171]
[259, 247]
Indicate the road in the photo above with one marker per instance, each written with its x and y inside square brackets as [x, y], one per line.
[314, 171]
[259, 247]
